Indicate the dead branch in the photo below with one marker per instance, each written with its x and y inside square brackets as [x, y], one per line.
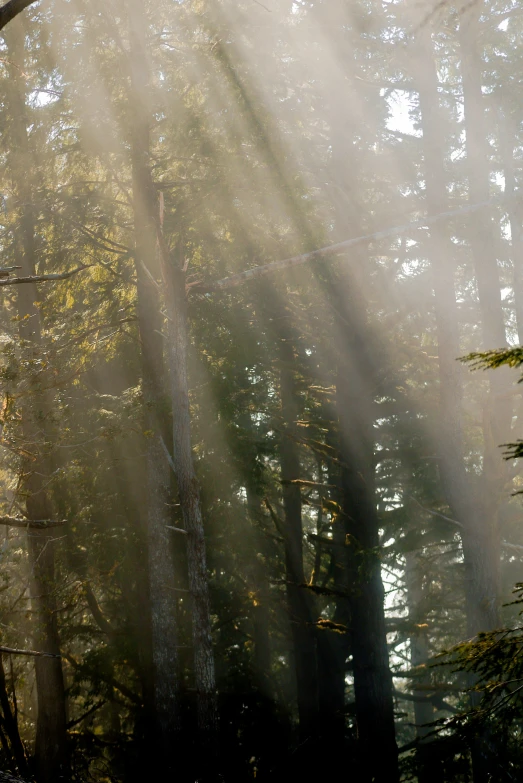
[42, 278]
[35, 524]
[32, 653]
[339, 247]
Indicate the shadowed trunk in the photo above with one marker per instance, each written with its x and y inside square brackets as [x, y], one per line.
[429, 765]
[355, 392]
[189, 494]
[299, 602]
[51, 755]
[159, 510]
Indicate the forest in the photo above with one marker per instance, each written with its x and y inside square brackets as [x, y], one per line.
[261, 421]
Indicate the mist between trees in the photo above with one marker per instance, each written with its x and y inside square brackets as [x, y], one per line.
[259, 510]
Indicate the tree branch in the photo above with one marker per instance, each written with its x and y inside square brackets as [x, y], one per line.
[36, 524]
[33, 653]
[436, 699]
[75, 722]
[42, 278]
[339, 247]
[12, 9]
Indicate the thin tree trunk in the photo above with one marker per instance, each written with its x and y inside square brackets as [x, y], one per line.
[429, 765]
[332, 668]
[299, 602]
[11, 727]
[51, 756]
[507, 129]
[260, 609]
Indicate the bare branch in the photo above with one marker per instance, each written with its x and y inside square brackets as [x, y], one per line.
[12, 9]
[35, 524]
[435, 513]
[33, 653]
[75, 722]
[42, 278]
[6, 270]
[339, 247]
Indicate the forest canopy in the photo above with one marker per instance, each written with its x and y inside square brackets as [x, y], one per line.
[261, 426]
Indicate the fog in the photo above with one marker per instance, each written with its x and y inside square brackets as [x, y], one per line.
[260, 416]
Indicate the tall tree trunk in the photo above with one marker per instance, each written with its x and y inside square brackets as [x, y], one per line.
[429, 765]
[474, 507]
[471, 507]
[189, 494]
[508, 141]
[498, 408]
[51, 755]
[260, 609]
[372, 677]
[332, 669]
[299, 602]
[478, 173]
[159, 508]
[358, 546]
[355, 392]
[11, 727]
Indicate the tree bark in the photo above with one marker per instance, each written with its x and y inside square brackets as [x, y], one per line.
[159, 508]
[333, 647]
[260, 609]
[189, 494]
[299, 602]
[474, 507]
[356, 382]
[11, 726]
[507, 127]
[51, 754]
[429, 770]
[469, 505]
[372, 677]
